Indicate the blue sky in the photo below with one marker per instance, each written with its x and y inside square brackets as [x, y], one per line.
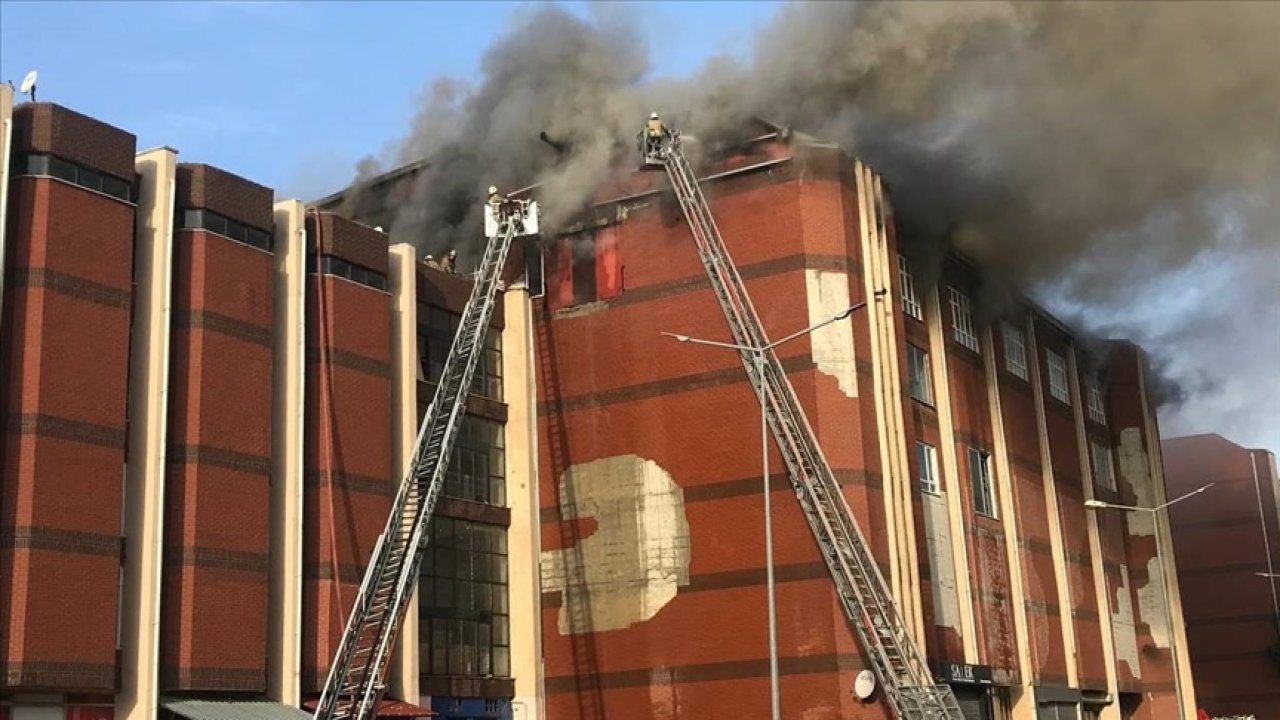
[292, 94]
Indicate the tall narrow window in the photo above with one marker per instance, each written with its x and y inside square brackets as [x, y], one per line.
[1057, 376]
[1104, 473]
[1097, 407]
[984, 499]
[927, 459]
[1015, 350]
[910, 303]
[918, 374]
[962, 320]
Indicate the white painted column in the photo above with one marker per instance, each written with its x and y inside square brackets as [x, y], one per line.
[148, 424]
[6, 151]
[524, 535]
[951, 472]
[284, 623]
[1051, 508]
[1023, 706]
[1102, 595]
[404, 671]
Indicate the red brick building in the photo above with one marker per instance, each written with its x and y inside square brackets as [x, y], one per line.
[209, 396]
[66, 314]
[217, 488]
[1228, 547]
[967, 444]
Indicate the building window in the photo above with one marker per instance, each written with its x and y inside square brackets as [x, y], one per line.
[465, 626]
[1097, 407]
[919, 384]
[1015, 350]
[910, 303]
[1057, 376]
[478, 470]
[984, 499]
[436, 329]
[962, 320]
[927, 459]
[1104, 472]
[45, 165]
[202, 219]
[337, 267]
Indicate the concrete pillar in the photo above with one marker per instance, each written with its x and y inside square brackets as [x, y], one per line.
[1051, 508]
[1112, 711]
[523, 536]
[6, 150]
[402, 675]
[951, 472]
[1177, 623]
[1023, 705]
[147, 441]
[284, 625]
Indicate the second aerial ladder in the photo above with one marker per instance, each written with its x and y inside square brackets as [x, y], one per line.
[356, 679]
[898, 662]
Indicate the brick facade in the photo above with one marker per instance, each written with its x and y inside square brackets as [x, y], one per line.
[214, 603]
[349, 483]
[66, 322]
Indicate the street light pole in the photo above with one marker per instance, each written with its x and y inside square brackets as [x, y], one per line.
[1164, 574]
[759, 355]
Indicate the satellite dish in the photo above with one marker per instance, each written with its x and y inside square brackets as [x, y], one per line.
[28, 86]
[864, 685]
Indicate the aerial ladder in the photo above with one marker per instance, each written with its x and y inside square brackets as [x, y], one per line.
[356, 679]
[898, 663]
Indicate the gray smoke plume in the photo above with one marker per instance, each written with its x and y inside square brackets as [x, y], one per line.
[554, 73]
[1119, 161]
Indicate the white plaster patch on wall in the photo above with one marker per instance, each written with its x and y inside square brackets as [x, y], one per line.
[1151, 603]
[1136, 473]
[937, 532]
[1122, 626]
[630, 567]
[828, 293]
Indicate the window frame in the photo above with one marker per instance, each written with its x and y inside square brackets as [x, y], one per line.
[982, 483]
[1015, 340]
[1056, 368]
[963, 329]
[926, 380]
[436, 330]
[1096, 450]
[1095, 400]
[910, 301]
[927, 474]
[465, 609]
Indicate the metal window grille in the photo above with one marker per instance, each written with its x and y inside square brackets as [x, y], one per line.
[1097, 407]
[962, 320]
[1015, 350]
[1104, 473]
[1057, 377]
[910, 303]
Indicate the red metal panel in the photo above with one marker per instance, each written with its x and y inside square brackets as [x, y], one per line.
[608, 266]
